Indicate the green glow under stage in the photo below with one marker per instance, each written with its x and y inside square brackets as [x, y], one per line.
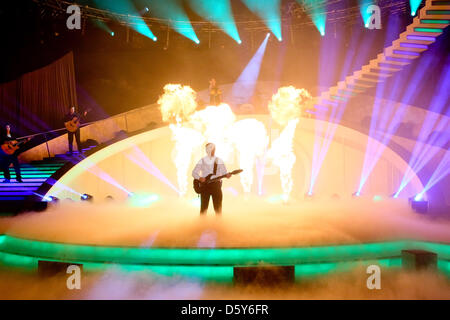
[213, 264]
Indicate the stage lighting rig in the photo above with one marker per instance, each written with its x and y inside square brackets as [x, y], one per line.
[51, 199]
[418, 204]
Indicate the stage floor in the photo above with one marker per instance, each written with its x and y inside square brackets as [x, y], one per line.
[168, 237]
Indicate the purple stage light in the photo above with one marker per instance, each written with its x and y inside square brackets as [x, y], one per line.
[58, 184]
[413, 45]
[421, 38]
[423, 150]
[408, 53]
[383, 127]
[441, 171]
[139, 158]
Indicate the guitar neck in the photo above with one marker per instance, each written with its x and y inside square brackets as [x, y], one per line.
[219, 177]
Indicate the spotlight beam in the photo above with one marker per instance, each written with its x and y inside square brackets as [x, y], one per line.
[441, 171]
[139, 158]
[269, 11]
[244, 86]
[126, 7]
[173, 11]
[219, 13]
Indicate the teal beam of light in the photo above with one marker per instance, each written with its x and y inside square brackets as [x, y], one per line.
[101, 25]
[317, 13]
[172, 10]
[219, 13]
[363, 5]
[414, 5]
[269, 11]
[131, 15]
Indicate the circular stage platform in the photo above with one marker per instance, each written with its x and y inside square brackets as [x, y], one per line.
[316, 238]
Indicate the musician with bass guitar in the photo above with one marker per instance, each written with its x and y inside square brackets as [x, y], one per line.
[72, 124]
[8, 154]
[207, 174]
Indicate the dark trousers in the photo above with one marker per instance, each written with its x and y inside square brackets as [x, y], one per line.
[213, 190]
[5, 161]
[77, 138]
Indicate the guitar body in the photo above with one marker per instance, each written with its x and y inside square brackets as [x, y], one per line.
[10, 147]
[199, 187]
[72, 125]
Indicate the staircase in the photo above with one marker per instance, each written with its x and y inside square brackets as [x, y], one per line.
[16, 197]
[431, 21]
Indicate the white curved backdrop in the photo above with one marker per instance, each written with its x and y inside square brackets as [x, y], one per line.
[144, 163]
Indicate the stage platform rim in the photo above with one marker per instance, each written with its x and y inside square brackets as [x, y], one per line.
[206, 264]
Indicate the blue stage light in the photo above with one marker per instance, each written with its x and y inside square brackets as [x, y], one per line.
[130, 14]
[414, 5]
[219, 13]
[269, 11]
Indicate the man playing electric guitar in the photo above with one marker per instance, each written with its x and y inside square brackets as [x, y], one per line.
[72, 123]
[210, 164]
[8, 155]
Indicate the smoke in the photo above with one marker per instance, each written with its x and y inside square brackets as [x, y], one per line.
[175, 222]
[116, 284]
[254, 222]
[177, 102]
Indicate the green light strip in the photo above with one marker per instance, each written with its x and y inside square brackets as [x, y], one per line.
[30, 175]
[436, 30]
[205, 273]
[218, 256]
[196, 256]
[431, 21]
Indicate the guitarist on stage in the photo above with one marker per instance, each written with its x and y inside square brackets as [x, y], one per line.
[207, 165]
[7, 159]
[67, 119]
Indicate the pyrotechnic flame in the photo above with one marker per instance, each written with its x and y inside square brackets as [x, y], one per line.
[285, 108]
[186, 141]
[177, 103]
[250, 138]
[283, 156]
[287, 104]
[214, 122]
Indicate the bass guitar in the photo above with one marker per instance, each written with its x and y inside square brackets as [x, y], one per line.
[200, 186]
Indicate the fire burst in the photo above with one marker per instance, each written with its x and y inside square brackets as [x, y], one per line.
[285, 108]
[248, 137]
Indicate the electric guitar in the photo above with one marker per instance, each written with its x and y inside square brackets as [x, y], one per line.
[200, 186]
[9, 147]
[75, 123]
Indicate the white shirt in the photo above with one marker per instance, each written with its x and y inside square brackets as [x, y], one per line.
[205, 166]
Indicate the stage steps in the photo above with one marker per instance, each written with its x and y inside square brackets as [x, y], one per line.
[430, 22]
[14, 195]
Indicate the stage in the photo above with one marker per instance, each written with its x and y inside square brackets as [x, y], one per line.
[169, 238]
